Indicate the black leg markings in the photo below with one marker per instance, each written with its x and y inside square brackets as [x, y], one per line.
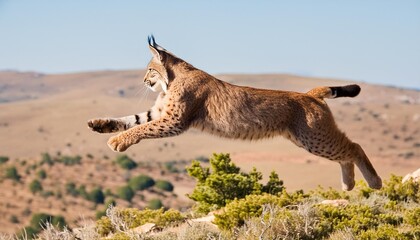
[137, 119]
[149, 116]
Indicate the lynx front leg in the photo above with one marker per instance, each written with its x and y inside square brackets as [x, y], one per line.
[164, 127]
[110, 125]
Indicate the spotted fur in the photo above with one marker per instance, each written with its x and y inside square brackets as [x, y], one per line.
[192, 98]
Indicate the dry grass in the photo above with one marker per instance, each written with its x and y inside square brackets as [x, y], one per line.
[342, 235]
[4, 236]
[274, 223]
[52, 233]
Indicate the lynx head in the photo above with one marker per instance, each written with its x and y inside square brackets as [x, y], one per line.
[157, 74]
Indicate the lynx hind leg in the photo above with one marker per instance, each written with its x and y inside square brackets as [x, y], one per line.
[347, 175]
[366, 167]
[349, 155]
[334, 145]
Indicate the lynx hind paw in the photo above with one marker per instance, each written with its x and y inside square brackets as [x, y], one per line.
[103, 125]
[375, 182]
[347, 186]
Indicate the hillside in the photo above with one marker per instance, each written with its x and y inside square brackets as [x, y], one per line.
[42, 113]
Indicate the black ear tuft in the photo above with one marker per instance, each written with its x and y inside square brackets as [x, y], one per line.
[151, 40]
[152, 43]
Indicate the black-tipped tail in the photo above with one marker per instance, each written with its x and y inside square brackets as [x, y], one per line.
[345, 91]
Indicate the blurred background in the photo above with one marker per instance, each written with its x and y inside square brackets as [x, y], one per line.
[64, 62]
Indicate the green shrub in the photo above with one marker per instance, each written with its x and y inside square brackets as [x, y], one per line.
[58, 221]
[82, 192]
[104, 226]
[141, 182]
[14, 219]
[412, 217]
[46, 194]
[42, 174]
[356, 217]
[164, 185]
[385, 232]
[225, 182]
[364, 221]
[363, 189]
[171, 167]
[29, 232]
[69, 160]
[330, 193]
[35, 186]
[71, 189]
[97, 196]
[236, 212]
[58, 194]
[123, 236]
[108, 192]
[111, 202]
[125, 193]
[46, 159]
[126, 162]
[39, 221]
[395, 190]
[274, 184]
[154, 204]
[100, 214]
[12, 173]
[3, 159]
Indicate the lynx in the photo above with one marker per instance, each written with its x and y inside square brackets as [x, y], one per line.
[190, 97]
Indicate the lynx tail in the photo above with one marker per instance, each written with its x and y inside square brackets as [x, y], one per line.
[335, 92]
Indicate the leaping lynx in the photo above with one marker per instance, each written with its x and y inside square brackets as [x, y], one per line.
[192, 98]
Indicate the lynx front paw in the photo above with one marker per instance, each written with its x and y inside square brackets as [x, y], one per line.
[103, 125]
[118, 143]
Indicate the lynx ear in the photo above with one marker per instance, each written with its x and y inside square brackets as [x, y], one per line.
[155, 53]
[155, 48]
[158, 53]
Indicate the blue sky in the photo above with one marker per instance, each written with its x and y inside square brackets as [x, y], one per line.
[372, 41]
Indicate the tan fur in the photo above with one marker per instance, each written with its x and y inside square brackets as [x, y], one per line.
[196, 99]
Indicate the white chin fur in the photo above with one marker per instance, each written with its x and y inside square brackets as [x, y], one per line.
[159, 86]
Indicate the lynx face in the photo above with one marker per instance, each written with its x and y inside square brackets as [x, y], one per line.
[156, 74]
